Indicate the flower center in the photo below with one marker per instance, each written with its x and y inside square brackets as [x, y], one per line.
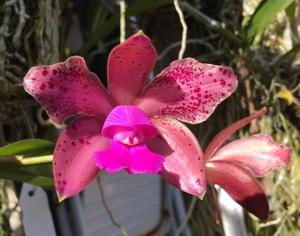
[128, 128]
[128, 138]
[129, 125]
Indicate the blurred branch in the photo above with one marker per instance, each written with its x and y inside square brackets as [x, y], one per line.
[211, 23]
[188, 41]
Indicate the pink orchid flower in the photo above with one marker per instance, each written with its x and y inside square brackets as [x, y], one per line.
[134, 124]
[235, 165]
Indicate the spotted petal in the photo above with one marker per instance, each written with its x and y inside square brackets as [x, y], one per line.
[188, 90]
[67, 88]
[74, 166]
[241, 185]
[129, 66]
[260, 153]
[183, 166]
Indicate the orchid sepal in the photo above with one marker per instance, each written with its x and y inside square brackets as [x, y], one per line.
[238, 162]
[260, 153]
[241, 184]
[223, 135]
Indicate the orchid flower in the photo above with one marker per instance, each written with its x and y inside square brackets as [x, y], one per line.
[135, 123]
[235, 165]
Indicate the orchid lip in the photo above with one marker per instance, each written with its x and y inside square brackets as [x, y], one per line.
[128, 127]
[129, 138]
[129, 141]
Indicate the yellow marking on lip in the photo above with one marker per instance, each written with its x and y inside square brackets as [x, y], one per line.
[130, 141]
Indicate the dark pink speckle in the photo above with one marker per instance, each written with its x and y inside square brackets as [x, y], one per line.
[43, 86]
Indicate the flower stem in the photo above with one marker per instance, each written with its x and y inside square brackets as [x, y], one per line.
[187, 216]
[113, 220]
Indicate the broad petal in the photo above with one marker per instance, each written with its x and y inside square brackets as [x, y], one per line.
[188, 90]
[74, 166]
[144, 161]
[129, 66]
[241, 185]
[260, 153]
[183, 166]
[115, 158]
[66, 89]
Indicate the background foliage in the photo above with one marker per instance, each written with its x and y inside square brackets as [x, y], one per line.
[259, 39]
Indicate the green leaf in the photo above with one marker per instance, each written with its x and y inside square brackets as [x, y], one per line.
[23, 176]
[263, 15]
[27, 146]
[38, 170]
[289, 55]
[40, 175]
[291, 12]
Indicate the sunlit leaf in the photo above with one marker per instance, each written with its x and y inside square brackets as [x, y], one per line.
[263, 15]
[27, 146]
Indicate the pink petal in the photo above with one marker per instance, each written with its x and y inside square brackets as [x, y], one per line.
[135, 159]
[129, 66]
[222, 136]
[74, 167]
[67, 88]
[183, 166]
[260, 153]
[144, 161]
[115, 158]
[241, 185]
[128, 118]
[188, 90]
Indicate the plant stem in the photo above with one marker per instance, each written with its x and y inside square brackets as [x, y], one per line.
[187, 216]
[36, 160]
[184, 29]
[112, 218]
[122, 21]
[16, 161]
